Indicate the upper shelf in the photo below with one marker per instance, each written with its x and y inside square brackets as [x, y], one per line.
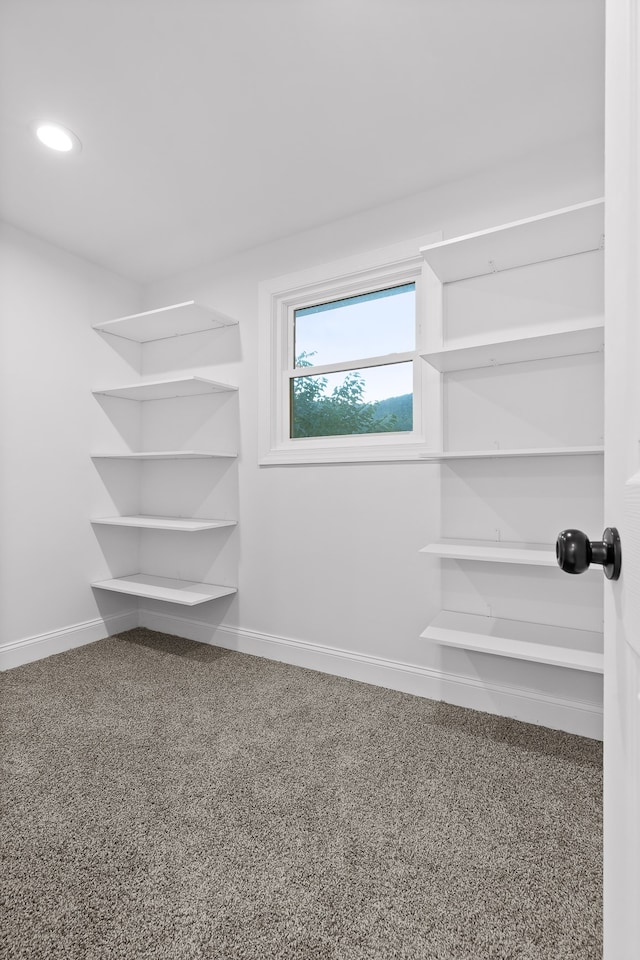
[587, 338]
[496, 551]
[536, 554]
[166, 389]
[576, 229]
[172, 321]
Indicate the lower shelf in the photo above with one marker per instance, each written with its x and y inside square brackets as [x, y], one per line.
[540, 643]
[504, 454]
[163, 455]
[184, 524]
[186, 592]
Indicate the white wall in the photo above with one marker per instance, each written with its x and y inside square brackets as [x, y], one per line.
[49, 424]
[327, 556]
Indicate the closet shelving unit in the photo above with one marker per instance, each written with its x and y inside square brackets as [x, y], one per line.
[561, 233]
[164, 323]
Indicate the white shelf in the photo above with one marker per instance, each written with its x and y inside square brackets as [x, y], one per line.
[558, 343]
[166, 389]
[184, 524]
[560, 646]
[504, 454]
[186, 592]
[163, 455]
[536, 554]
[172, 321]
[570, 230]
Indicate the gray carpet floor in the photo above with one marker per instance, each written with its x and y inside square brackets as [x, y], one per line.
[166, 799]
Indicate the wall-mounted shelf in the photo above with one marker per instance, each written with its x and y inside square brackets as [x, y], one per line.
[564, 232]
[166, 322]
[494, 551]
[588, 338]
[183, 524]
[560, 646]
[166, 389]
[172, 321]
[164, 455]
[534, 294]
[504, 454]
[186, 592]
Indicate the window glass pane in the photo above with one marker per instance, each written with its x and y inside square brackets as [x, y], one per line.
[372, 400]
[370, 325]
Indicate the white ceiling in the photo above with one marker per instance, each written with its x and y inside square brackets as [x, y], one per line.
[211, 126]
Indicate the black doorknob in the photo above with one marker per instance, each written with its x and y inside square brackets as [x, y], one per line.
[575, 552]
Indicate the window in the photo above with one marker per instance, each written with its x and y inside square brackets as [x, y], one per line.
[329, 396]
[341, 373]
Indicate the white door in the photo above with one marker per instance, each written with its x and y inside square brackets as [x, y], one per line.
[622, 483]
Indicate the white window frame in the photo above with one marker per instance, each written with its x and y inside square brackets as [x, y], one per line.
[352, 276]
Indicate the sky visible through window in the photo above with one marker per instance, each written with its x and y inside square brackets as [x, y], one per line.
[370, 325]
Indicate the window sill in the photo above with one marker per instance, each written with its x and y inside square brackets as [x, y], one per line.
[405, 452]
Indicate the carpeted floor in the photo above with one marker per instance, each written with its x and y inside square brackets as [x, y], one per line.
[165, 799]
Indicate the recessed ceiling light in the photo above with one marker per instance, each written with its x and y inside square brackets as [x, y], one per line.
[57, 137]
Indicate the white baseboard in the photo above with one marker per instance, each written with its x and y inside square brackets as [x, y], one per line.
[573, 716]
[46, 644]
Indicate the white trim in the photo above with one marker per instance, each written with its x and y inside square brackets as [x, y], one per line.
[573, 716]
[621, 609]
[390, 266]
[19, 652]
